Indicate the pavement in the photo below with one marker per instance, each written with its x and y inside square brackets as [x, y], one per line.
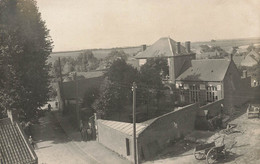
[60, 143]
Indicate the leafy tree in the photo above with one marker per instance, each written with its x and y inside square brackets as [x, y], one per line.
[25, 45]
[151, 76]
[116, 92]
[90, 96]
[114, 55]
[86, 61]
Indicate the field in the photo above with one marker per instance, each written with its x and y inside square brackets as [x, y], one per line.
[102, 53]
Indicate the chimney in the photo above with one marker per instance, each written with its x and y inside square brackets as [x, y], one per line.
[187, 45]
[231, 56]
[10, 115]
[178, 47]
[244, 73]
[144, 47]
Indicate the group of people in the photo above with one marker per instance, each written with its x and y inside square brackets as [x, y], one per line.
[86, 131]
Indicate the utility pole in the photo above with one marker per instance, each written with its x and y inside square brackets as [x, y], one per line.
[61, 106]
[77, 99]
[134, 120]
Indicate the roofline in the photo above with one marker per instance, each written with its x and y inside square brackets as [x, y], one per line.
[229, 66]
[169, 41]
[137, 135]
[159, 117]
[189, 54]
[33, 154]
[199, 81]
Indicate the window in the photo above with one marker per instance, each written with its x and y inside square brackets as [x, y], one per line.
[127, 147]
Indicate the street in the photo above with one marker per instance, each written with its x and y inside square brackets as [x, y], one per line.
[57, 142]
[54, 145]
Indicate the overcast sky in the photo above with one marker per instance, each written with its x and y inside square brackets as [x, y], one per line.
[83, 24]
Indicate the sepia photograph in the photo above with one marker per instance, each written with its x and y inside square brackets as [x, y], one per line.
[129, 81]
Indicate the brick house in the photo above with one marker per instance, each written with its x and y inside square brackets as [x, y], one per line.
[200, 81]
[178, 56]
[210, 80]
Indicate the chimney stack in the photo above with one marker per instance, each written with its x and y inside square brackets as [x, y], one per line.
[144, 47]
[231, 56]
[187, 45]
[10, 115]
[178, 47]
[244, 73]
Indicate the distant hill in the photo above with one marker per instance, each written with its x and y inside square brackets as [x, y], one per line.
[98, 53]
[228, 43]
[102, 53]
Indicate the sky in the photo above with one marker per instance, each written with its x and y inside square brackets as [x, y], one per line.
[86, 24]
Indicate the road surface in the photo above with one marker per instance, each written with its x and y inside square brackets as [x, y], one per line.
[55, 147]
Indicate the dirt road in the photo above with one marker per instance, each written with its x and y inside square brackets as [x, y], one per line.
[55, 147]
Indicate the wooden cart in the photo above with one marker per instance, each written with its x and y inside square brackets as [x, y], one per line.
[211, 152]
[201, 150]
[253, 111]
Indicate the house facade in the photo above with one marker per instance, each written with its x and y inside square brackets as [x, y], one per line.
[210, 80]
[178, 56]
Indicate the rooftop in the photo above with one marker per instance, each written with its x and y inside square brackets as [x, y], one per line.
[124, 127]
[206, 70]
[14, 148]
[164, 47]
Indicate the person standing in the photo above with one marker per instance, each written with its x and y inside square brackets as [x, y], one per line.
[32, 142]
[49, 107]
[81, 128]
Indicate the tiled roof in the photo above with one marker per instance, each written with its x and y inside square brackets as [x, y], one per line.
[14, 148]
[124, 127]
[205, 70]
[164, 47]
[238, 59]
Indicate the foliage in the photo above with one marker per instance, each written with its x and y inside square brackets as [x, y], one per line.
[153, 71]
[86, 61]
[114, 55]
[151, 75]
[116, 92]
[90, 96]
[25, 45]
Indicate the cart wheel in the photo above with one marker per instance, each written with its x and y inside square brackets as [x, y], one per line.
[199, 155]
[211, 156]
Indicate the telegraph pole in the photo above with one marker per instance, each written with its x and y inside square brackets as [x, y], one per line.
[77, 99]
[61, 106]
[134, 120]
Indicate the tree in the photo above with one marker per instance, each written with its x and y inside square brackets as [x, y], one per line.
[116, 92]
[151, 76]
[86, 61]
[114, 55]
[25, 45]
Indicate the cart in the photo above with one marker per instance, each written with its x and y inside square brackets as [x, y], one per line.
[201, 150]
[211, 152]
[253, 111]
